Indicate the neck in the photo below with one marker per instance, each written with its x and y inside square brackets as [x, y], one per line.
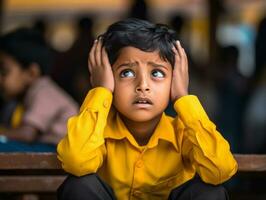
[141, 131]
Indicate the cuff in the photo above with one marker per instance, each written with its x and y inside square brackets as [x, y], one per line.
[190, 109]
[97, 99]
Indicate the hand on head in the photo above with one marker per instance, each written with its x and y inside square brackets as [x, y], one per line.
[180, 79]
[101, 74]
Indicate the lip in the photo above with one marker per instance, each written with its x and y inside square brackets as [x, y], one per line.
[142, 102]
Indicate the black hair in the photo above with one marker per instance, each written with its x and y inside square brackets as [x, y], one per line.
[27, 46]
[140, 34]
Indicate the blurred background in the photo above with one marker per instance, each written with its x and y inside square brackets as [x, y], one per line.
[224, 39]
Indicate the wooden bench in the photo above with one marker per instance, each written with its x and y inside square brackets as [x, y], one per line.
[42, 173]
[30, 172]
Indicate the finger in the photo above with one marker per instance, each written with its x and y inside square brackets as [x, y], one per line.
[180, 49]
[89, 66]
[182, 56]
[177, 56]
[91, 54]
[105, 59]
[186, 59]
[98, 51]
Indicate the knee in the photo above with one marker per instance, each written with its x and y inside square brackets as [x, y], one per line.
[74, 186]
[196, 189]
[218, 193]
[206, 191]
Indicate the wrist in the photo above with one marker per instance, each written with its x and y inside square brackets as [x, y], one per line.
[178, 96]
[109, 88]
[108, 85]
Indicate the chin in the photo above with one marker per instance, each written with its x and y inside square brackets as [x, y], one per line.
[141, 116]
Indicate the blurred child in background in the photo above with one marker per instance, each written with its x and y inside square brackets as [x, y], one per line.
[42, 108]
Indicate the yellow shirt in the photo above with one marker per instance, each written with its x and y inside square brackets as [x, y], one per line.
[98, 141]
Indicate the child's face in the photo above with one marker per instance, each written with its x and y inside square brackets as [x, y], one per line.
[13, 79]
[142, 84]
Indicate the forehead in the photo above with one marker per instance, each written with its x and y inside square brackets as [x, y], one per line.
[132, 54]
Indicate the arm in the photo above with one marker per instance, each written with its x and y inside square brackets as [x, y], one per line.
[202, 144]
[82, 151]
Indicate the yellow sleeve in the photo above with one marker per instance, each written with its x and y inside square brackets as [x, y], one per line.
[203, 145]
[82, 150]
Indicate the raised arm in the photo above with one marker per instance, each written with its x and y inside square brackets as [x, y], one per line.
[203, 146]
[82, 151]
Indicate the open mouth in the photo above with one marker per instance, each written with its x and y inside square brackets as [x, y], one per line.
[143, 101]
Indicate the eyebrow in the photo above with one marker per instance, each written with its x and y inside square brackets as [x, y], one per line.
[128, 64]
[132, 64]
[157, 65]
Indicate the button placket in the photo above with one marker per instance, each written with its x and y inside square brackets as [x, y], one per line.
[139, 163]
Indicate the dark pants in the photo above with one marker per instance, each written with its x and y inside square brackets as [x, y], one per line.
[92, 187]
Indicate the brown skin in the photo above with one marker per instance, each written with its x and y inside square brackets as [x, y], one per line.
[138, 74]
[14, 81]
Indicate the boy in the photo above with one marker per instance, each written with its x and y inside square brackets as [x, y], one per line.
[136, 150]
[39, 120]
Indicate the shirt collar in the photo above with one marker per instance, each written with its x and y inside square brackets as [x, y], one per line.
[116, 129]
[164, 131]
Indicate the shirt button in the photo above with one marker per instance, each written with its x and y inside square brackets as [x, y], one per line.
[106, 103]
[139, 163]
[137, 193]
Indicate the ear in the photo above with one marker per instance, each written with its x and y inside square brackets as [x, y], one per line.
[34, 71]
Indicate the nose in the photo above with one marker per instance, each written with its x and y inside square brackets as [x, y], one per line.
[143, 84]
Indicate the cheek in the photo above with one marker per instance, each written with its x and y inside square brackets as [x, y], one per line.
[163, 91]
[163, 87]
[14, 83]
[121, 95]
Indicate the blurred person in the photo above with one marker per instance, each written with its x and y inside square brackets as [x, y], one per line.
[231, 87]
[260, 48]
[255, 111]
[232, 32]
[255, 119]
[70, 69]
[41, 26]
[177, 23]
[42, 108]
[139, 10]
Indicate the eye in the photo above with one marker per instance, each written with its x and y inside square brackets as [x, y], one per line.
[158, 74]
[127, 73]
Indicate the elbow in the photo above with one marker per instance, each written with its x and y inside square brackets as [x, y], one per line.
[227, 170]
[219, 174]
[77, 164]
